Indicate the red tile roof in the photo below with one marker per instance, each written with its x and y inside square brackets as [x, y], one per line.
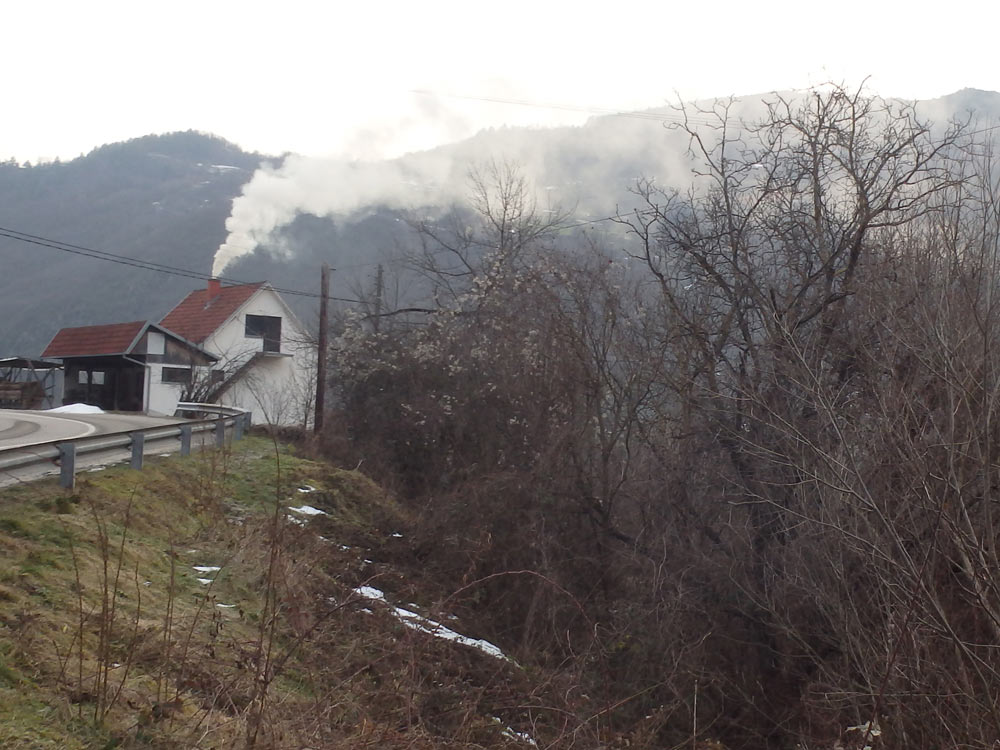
[197, 316]
[94, 340]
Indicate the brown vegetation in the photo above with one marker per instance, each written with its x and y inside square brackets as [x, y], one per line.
[737, 484]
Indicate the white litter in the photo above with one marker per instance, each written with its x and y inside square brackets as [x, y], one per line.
[76, 409]
[207, 568]
[425, 625]
[308, 510]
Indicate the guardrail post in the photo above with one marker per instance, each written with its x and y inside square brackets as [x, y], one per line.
[67, 465]
[138, 440]
[185, 440]
[238, 427]
[220, 433]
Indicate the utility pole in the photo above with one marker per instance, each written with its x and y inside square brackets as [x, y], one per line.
[321, 346]
[378, 298]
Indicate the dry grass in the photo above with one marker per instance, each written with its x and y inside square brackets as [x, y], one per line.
[108, 639]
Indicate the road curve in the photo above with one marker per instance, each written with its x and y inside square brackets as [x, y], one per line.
[21, 429]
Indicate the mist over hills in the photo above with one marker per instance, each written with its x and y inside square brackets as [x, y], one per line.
[175, 198]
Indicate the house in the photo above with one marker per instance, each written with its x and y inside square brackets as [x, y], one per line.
[265, 358]
[137, 366]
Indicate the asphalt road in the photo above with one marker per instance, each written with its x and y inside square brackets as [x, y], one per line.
[21, 429]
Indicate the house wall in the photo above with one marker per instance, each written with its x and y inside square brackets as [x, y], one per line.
[278, 389]
[162, 398]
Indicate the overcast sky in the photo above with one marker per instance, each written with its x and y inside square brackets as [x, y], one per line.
[338, 78]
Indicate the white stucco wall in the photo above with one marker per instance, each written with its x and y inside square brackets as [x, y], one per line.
[278, 389]
[161, 398]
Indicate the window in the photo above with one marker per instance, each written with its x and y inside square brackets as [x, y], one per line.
[97, 377]
[83, 377]
[176, 375]
[267, 327]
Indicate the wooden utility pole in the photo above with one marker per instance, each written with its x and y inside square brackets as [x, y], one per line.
[378, 298]
[321, 346]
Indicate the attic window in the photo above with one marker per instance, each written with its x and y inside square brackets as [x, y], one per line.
[267, 327]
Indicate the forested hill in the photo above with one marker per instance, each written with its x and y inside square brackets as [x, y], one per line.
[161, 198]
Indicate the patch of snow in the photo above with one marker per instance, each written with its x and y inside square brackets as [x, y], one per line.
[76, 409]
[425, 625]
[225, 167]
[344, 547]
[397, 535]
[869, 730]
[204, 581]
[308, 510]
[368, 562]
[866, 728]
[370, 592]
[206, 568]
[307, 488]
[512, 734]
[220, 605]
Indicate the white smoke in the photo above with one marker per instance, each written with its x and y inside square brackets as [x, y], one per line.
[587, 169]
[327, 187]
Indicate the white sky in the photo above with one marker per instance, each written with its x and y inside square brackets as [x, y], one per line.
[336, 78]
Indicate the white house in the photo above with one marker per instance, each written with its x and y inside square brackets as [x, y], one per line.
[266, 361]
[137, 366]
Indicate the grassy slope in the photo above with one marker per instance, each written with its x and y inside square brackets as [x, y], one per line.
[295, 660]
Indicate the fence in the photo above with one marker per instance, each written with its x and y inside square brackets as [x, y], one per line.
[65, 452]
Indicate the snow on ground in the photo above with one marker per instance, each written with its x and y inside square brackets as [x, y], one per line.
[425, 625]
[207, 568]
[513, 734]
[76, 409]
[308, 510]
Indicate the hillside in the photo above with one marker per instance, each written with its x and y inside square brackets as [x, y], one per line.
[162, 198]
[175, 608]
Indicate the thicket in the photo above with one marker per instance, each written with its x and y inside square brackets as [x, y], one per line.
[737, 482]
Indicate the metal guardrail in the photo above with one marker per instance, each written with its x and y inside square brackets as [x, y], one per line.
[65, 451]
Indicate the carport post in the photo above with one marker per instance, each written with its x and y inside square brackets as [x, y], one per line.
[238, 427]
[220, 433]
[138, 440]
[67, 465]
[185, 439]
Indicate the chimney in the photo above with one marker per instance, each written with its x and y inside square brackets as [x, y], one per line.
[214, 288]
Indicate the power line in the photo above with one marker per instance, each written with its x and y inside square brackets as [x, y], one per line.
[633, 114]
[127, 260]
